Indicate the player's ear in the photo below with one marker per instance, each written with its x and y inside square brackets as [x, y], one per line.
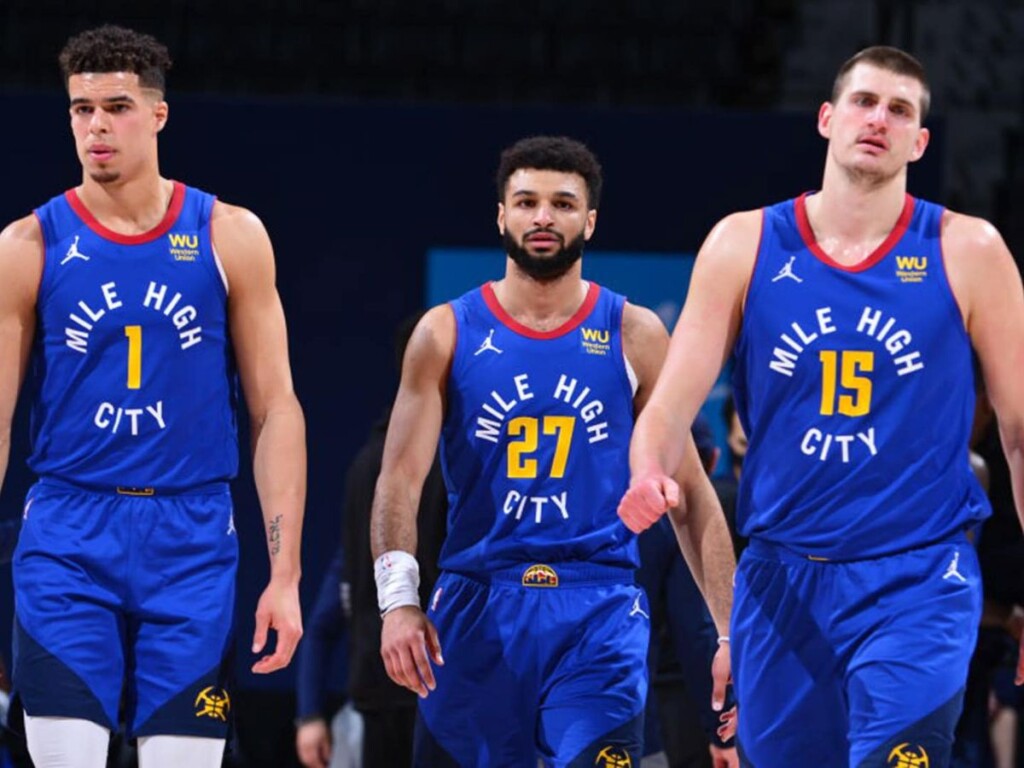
[160, 112]
[501, 218]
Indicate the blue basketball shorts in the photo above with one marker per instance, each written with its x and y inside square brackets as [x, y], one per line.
[853, 663]
[540, 662]
[124, 607]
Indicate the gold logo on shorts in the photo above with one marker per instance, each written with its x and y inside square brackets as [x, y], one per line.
[908, 758]
[540, 576]
[613, 757]
[213, 702]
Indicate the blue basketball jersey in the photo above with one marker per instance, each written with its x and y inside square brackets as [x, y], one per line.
[134, 381]
[535, 443]
[854, 385]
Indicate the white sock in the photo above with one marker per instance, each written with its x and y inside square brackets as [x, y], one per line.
[178, 751]
[66, 742]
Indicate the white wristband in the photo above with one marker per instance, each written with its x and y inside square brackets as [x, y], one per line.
[723, 639]
[398, 580]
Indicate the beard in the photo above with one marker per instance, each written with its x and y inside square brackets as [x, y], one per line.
[544, 269]
[104, 177]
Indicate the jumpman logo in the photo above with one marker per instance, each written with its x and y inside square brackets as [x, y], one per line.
[952, 571]
[231, 525]
[488, 345]
[636, 609]
[787, 271]
[74, 253]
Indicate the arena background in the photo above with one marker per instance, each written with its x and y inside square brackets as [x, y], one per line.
[365, 134]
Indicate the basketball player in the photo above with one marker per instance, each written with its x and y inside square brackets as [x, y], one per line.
[133, 297]
[851, 313]
[532, 383]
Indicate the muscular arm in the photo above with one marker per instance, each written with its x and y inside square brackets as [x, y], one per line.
[409, 641]
[697, 519]
[701, 343]
[987, 286]
[21, 268]
[278, 430]
[413, 432]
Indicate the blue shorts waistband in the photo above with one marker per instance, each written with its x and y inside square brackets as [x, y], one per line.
[204, 489]
[770, 550]
[554, 575]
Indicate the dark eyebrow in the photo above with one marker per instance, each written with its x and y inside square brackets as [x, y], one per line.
[120, 99]
[560, 193]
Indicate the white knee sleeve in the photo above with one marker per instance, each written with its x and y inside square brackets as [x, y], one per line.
[178, 751]
[66, 742]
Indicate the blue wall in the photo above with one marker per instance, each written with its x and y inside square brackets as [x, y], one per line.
[354, 196]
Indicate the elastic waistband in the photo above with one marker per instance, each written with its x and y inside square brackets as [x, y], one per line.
[557, 575]
[206, 489]
[769, 550]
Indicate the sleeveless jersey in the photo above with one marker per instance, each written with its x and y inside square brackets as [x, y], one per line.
[854, 385]
[535, 443]
[134, 380]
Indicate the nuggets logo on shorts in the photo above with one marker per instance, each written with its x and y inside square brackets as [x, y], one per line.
[908, 758]
[540, 576]
[613, 757]
[213, 702]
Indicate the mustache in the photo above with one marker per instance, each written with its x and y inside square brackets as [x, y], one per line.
[544, 231]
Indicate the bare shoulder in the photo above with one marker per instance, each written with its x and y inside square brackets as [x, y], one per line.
[21, 254]
[978, 265]
[644, 341]
[22, 232]
[737, 234]
[641, 326]
[432, 343]
[973, 251]
[963, 235]
[234, 221]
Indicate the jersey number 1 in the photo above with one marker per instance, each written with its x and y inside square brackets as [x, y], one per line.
[134, 334]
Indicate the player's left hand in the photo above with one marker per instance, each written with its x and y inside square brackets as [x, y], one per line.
[724, 757]
[278, 609]
[721, 675]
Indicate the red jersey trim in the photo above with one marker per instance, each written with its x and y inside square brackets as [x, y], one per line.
[569, 325]
[173, 211]
[804, 225]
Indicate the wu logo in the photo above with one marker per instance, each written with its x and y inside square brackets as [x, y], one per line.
[184, 241]
[592, 334]
[912, 263]
[74, 253]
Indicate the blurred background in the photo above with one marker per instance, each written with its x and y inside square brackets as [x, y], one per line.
[365, 134]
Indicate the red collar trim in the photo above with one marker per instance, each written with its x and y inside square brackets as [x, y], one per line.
[804, 225]
[173, 211]
[581, 314]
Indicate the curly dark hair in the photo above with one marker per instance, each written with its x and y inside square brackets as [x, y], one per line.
[551, 153]
[116, 49]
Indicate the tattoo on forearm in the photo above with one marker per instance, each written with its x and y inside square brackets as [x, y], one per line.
[274, 536]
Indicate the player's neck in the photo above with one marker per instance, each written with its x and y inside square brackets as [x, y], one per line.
[852, 217]
[128, 207]
[542, 306]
